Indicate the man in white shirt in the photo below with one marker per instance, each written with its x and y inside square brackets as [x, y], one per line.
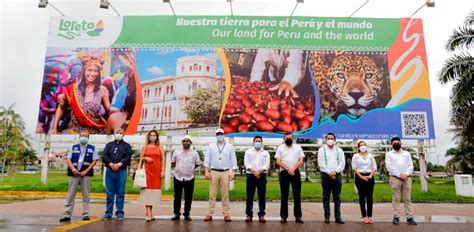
[257, 162]
[331, 163]
[400, 167]
[289, 156]
[219, 162]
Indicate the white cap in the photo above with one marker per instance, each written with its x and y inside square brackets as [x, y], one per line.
[220, 130]
[186, 137]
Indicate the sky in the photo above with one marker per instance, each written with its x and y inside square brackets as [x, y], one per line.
[24, 30]
[162, 62]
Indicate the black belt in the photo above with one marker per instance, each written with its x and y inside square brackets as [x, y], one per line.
[219, 170]
[365, 174]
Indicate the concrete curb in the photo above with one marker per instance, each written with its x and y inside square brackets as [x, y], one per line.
[45, 194]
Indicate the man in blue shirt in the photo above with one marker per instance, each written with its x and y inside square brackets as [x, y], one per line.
[219, 162]
[116, 157]
[80, 160]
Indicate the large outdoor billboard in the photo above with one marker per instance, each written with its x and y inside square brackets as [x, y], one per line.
[356, 77]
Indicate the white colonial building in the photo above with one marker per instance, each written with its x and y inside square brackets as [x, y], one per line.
[165, 97]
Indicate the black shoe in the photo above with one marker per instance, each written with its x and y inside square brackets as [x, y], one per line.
[411, 221]
[175, 218]
[283, 220]
[187, 218]
[86, 217]
[299, 220]
[339, 221]
[327, 221]
[65, 219]
[396, 221]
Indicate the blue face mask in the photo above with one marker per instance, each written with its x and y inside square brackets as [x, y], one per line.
[83, 140]
[220, 138]
[258, 145]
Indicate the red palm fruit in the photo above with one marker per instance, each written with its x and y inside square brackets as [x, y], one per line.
[249, 110]
[300, 106]
[294, 125]
[234, 122]
[229, 110]
[237, 104]
[287, 118]
[285, 127]
[243, 128]
[273, 104]
[245, 118]
[286, 112]
[265, 126]
[304, 124]
[246, 102]
[239, 91]
[259, 117]
[273, 114]
[299, 114]
[228, 129]
[309, 117]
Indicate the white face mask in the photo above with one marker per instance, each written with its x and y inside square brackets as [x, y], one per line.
[363, 148]
[118, 137]
[330, 142]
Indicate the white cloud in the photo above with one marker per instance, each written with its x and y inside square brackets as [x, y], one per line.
[155, 70]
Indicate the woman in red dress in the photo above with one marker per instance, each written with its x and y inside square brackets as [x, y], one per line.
[153, 156]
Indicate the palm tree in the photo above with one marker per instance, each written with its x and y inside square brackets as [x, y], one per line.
[26, 156]
[12, 133]
[459, 69]
[461, 158]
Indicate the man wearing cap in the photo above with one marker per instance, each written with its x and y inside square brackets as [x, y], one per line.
[219, 162]
[80, 160]
[185, 160]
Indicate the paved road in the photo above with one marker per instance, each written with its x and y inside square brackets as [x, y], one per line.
[43, 215]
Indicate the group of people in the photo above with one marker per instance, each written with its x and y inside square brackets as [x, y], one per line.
[220, 164]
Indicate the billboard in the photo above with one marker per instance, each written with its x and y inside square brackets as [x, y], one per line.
[359, 78]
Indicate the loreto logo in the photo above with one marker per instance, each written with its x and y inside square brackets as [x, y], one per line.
[71, 29]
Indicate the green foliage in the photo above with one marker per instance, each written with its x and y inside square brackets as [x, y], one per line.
[204, 106]
[13, 140]
[462, 158]
[459, 69]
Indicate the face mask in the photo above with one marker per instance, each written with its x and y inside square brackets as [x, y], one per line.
[288, 142]
[186, 145]
[220, 138]
[152, 138]
[363, 148]
[396, 146]
[83, 140]
[118, 137]
[258, 145]
[330, 142]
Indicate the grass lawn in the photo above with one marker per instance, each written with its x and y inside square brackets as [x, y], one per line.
[440, 190]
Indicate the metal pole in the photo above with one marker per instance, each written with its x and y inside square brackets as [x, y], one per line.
[44, 164]
[422, 162]
[168, 151]
[231, 183]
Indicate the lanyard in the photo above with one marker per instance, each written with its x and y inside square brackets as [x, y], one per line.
[220, 150]
[326, 158]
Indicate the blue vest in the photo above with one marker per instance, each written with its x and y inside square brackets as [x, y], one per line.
[76, 153]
